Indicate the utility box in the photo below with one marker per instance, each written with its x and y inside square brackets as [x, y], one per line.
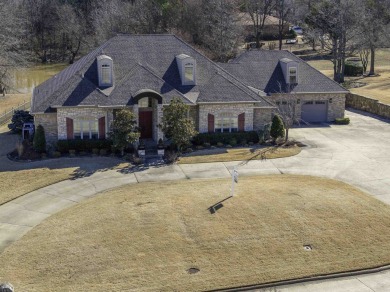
[28, 131]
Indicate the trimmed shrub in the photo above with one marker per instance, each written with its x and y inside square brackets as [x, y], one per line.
[64, 146]
[233, 142]
[342, 121]
[56, 154]
[225, 138]
[39, 142]
[103, 152]
[277, 127]
[353, 69]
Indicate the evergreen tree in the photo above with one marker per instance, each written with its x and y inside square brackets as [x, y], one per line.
[39, 142]
[124, 130]
[176, 125]
[277, 128]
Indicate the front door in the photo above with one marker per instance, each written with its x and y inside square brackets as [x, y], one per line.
[146, 124]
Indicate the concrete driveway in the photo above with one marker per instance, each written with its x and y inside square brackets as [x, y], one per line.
[357, 154]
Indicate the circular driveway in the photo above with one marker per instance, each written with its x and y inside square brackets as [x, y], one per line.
[358, 154]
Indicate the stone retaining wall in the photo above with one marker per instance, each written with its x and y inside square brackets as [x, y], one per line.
[368, 104]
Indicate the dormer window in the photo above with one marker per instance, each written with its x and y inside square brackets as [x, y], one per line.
[292, 71]
[187, 69]
[105, 71]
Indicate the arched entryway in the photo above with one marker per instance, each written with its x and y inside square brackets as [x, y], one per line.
[148, 106]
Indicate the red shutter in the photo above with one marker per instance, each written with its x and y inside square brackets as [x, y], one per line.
[210, 118]
[102, 128]
[69, 128]
[241, 122]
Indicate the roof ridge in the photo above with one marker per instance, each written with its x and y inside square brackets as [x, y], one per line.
[158, 77]
[249, 92]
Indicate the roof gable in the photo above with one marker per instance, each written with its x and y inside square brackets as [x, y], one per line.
[261, 69]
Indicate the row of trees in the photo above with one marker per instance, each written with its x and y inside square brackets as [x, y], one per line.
[62, 30]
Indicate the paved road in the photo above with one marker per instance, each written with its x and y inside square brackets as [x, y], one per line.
[357, 154]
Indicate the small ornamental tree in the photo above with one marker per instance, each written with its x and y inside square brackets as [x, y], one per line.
[277, 128]
[39, 142]
[124, 130]
[176, 125]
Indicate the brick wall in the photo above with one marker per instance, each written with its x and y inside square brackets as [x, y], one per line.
[262, 116]
[80, 113]
[49, 123]
[216, 109]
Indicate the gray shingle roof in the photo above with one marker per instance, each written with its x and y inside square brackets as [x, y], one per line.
[260, 69]
[140, 62]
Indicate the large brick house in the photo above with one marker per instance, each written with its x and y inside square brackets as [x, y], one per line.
[145, 72]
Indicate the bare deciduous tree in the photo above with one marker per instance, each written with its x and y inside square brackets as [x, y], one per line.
[374, 24]
[11, 39]
[258, 11]
[337, 19]
[220, 30]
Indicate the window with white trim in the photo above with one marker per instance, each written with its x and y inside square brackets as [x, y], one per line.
[189, 72]
[85, 129]
[226, 122]
[292, 71]
[106, 74]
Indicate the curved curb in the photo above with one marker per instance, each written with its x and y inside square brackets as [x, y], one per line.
[304, 280]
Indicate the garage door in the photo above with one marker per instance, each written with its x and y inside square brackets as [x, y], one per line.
[314, 111]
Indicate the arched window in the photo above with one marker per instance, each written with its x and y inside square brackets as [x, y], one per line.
[105, 71]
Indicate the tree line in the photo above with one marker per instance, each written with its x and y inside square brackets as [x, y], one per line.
[63, 30]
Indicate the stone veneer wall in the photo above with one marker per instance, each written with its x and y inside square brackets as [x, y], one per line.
[216, 109]
[368, 104]
[157, 116]
[81, 113]
[336, 108]
[261, 117]
[193, 115]
[49, 123]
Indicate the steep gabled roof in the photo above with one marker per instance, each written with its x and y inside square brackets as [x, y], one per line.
[260, 69]
[140, 62]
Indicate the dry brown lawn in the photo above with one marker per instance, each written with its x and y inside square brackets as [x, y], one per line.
[14, 184]
[377, 87]
[12, 101]
[145, 237]
[240, 154]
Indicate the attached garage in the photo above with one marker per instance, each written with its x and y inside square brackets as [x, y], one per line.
[314, 111]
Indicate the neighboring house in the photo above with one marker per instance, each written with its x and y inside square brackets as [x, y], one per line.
[145, 72]
[286, 78]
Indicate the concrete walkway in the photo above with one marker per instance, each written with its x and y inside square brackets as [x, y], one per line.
[357, 154]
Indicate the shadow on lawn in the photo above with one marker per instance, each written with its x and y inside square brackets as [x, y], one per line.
[214, 208]
[85, 166]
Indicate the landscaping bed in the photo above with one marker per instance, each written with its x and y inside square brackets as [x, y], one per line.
[164, 237]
